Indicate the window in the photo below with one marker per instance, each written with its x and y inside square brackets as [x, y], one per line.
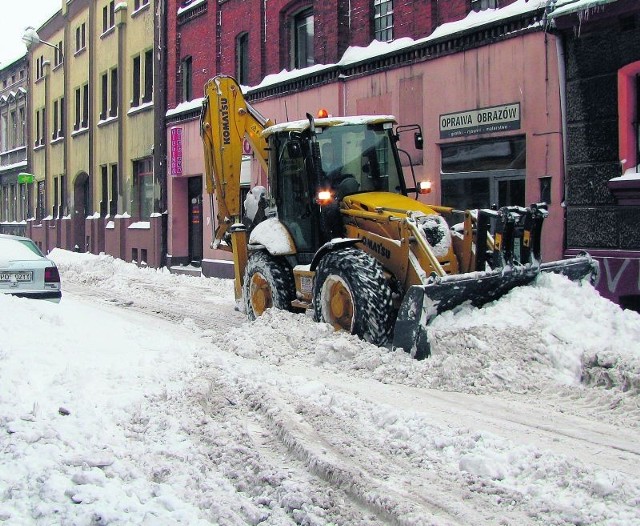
[55, 210]
[629, 115]
[186, 75]
[113, 107]
[108, 16]
[302, 44]
[113, 204]
[13, 128]
[40, 67]
[104, 201]
[21, 127]
[479, 174]
[136, 81]
[142, 78]
[56, 117]
[63, 195]
[383, 20]
[144, 189]
[148, 76]
[36, 141]
[104, 95]
[481, 5]
[3, 133]
[137, 4]
[40, 120]
[81, 37]
[78, 112]
[545, 190]
[23, 212]
[109, 188]
[85, 105]
[40, 200]
[82, 108]
[625, 191]
[109, 94]
[242, 58]
[58, 55]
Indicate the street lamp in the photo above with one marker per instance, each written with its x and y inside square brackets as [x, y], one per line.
[31, 37]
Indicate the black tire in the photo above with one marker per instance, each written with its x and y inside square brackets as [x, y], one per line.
[351, 293]
[268, 283]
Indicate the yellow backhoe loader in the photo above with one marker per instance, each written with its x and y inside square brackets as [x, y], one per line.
[337, 232]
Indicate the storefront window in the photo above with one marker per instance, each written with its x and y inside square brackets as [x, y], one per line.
[480, 174]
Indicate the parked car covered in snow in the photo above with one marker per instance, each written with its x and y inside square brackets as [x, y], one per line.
[25, 271]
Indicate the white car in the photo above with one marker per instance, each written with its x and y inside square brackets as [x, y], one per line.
[25, 271]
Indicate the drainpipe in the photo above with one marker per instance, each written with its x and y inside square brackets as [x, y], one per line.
[160, 111]
[121, 15]
[562, 81]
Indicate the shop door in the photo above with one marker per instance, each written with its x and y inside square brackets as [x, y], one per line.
[195, 220]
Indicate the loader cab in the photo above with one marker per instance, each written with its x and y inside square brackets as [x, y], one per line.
[342, 156]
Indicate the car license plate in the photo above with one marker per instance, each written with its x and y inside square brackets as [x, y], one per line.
[16, 276]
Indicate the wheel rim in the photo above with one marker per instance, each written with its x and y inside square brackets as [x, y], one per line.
[337, 304]
[260, 294]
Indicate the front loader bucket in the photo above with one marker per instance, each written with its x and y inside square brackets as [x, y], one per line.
[422, 303]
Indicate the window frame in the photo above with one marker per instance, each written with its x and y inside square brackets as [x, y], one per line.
[242, 58]
[483, 5]
[108, 17]
[81, 37]
[186, 78]
[113, 94]
[383, 22]
[300, 51]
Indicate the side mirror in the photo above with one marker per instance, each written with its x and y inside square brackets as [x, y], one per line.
[418, 140]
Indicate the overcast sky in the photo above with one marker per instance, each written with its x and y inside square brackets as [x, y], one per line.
[14, 18]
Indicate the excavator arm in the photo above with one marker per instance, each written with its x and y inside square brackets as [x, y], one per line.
[226, 120]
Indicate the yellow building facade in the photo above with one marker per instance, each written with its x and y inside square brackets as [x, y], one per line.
[91, 130]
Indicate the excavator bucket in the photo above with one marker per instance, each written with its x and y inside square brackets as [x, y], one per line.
[422, 303]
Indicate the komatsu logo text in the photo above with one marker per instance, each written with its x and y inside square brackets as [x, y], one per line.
[224, 113]
[378, 248]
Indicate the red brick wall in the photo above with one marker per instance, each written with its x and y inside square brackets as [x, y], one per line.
[240, 16]
[196, 38]
[214, 51]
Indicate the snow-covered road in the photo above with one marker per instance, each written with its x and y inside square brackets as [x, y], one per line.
[183, 413]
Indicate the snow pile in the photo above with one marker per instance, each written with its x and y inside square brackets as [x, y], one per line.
[553, 331]
[109, 415]
[115, 275]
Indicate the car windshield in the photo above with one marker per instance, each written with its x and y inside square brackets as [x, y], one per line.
[18, 249]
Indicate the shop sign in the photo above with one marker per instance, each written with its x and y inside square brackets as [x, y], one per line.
[482, 120]
[176, 151]
[25, 178]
